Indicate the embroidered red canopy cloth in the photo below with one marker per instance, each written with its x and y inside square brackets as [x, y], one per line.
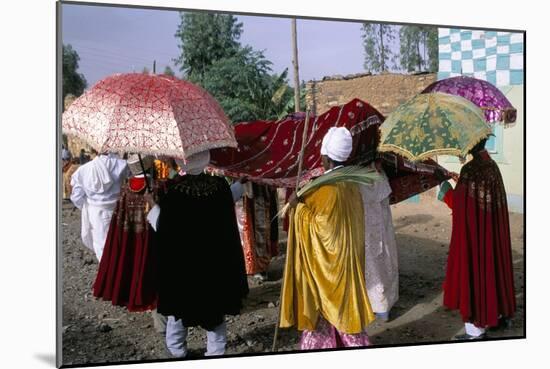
[268, 151]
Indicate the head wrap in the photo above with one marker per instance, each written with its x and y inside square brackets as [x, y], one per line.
[337, 144]
[196, 163]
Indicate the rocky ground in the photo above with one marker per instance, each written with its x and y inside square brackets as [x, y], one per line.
[95, 331]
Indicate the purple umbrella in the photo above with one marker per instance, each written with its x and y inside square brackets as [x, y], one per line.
[495, 106]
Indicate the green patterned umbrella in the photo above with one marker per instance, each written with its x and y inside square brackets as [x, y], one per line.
[433, 124]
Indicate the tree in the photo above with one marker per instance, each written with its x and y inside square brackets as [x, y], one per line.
[205, 38]
[73, 82]
[244, 86]
[377, 41]
[432, 43]
[168, 71]
[419, 48]
[240, 78]
[145, 70]
[409, 39]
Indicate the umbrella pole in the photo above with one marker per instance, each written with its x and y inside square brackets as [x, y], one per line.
[300, 161]
[144, 174]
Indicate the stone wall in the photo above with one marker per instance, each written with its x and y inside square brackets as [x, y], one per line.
[385, 91]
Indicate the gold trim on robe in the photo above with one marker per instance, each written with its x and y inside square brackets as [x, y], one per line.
[325, 262]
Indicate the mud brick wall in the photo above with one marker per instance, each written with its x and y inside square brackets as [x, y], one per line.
[385, 91]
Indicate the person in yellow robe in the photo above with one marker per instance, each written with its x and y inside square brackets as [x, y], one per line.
[324, 293]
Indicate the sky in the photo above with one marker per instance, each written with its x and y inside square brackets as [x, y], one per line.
[120, 40]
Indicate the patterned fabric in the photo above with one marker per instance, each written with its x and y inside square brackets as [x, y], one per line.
[268, 151]
[494, 104]
[128, 268]
[408, 178]
[258, 227]
[381, 266]
[496, 57]
[433, 124]
[149, 114]
[325, 336]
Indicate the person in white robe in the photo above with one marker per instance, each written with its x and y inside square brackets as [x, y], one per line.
[95, 190]
[381, 267]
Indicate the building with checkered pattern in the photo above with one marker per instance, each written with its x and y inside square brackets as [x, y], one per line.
[496, 57]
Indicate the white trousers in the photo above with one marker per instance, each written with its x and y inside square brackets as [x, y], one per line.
[95, 226]
[472, 330]
[176, 339]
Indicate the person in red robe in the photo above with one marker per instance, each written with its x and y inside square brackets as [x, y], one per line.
[127, 271]
[479, 280]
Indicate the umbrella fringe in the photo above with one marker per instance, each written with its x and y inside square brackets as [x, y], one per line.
[444, 151]
[171, 153]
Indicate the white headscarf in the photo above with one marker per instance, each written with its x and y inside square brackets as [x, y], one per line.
[195, 163]
[337, 144]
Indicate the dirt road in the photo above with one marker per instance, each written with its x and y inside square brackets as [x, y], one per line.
[95, 331]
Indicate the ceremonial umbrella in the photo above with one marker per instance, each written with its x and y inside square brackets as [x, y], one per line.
[433, 124]
[149, 114]
[495, 106]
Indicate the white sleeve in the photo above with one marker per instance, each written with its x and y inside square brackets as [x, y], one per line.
[237, 190]
[153, 216]
[78, 196]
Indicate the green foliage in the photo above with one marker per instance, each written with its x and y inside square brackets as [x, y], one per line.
[244, 86]
[205, 38]
[289, 106]
[73, 82]
[145, 70]
[168, 71]
[377, 41]
[432, 43]
[419, 48]
[240, 78]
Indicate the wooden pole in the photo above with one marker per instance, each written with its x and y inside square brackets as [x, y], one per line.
[295, 64]
[154, 67]
[302, 150]
[300, 161]
[144, 173]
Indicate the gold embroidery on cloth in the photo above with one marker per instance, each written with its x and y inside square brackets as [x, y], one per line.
[199, 186]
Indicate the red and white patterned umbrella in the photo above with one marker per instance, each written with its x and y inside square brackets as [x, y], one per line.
[149, 114]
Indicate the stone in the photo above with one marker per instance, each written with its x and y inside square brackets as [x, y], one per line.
[271, 305]
[104, 328]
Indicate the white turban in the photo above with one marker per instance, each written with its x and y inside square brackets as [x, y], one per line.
[337, 144]
[196, 163]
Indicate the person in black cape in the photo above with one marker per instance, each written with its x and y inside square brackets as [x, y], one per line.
[201, 271]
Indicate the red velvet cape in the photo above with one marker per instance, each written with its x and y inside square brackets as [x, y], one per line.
[127, 274]
[479, 280]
